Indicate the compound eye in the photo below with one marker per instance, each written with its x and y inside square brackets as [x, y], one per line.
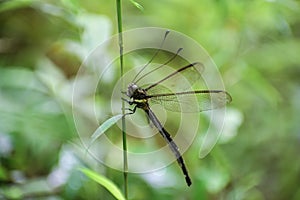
[131, 89]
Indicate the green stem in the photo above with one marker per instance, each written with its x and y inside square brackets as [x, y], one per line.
[125, 161]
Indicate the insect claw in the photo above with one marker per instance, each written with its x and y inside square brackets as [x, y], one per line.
[123, 92]
[126, 100]
[129, 113]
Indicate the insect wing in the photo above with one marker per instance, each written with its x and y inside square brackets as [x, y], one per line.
[192, 101]
[179, 80]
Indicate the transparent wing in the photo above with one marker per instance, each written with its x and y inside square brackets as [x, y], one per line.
[179, 80]
[192, 101]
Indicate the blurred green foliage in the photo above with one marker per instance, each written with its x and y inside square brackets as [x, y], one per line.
[255, 44]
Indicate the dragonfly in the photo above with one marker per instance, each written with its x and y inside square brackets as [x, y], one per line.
[178, 101]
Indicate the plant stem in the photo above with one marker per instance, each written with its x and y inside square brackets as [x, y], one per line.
[125, 161]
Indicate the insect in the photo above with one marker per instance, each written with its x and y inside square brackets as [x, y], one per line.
[179, 101]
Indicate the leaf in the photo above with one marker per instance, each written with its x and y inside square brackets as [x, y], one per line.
[103, 127]
[108, 184]
[106, 125]
[71, 4]
[14, 4]
[136, 4]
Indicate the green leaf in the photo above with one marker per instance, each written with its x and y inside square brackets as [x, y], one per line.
[15, 4]
[106, 125]
[108, 184]
[12, 192]
[71, 4]
[102, 128]
[136, 4]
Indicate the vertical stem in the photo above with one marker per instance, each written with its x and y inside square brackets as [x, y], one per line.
[125, 161]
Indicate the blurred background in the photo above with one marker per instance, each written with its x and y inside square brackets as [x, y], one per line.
[255, 44]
